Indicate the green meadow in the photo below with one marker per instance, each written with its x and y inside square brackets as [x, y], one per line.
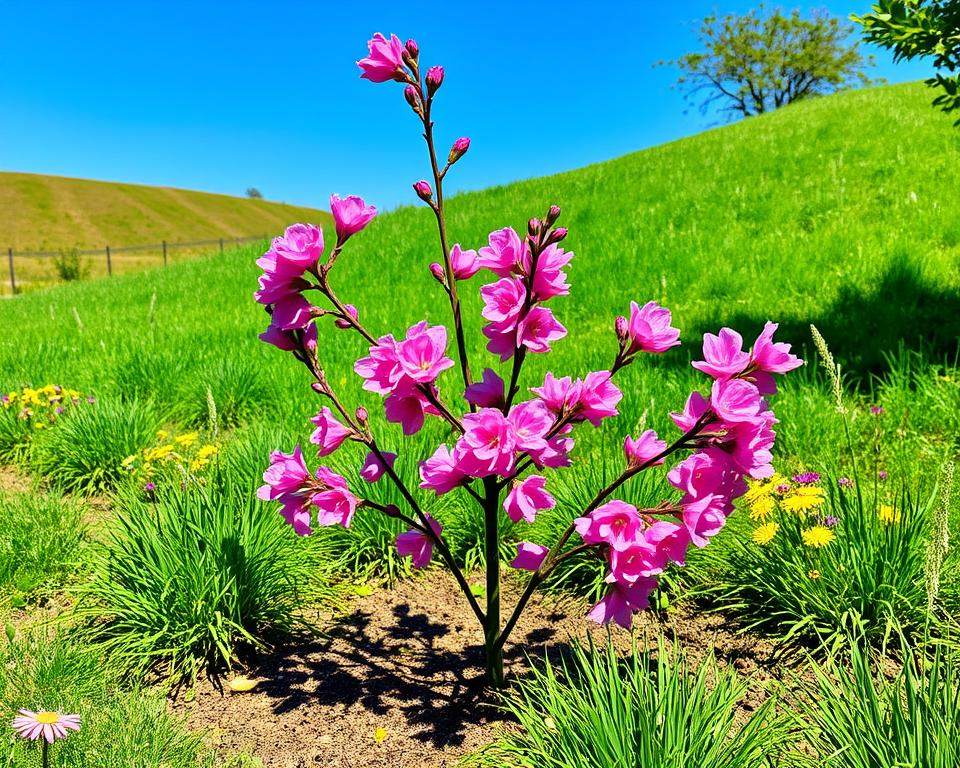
[840, 212]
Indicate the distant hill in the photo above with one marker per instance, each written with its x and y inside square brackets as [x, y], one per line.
[51, 212]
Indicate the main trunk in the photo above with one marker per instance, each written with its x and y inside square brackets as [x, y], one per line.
[494, 653]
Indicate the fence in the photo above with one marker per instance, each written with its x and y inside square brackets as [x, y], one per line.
[30, 268]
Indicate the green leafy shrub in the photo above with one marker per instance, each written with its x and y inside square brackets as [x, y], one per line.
[198, 576]
[86, 451]
[651, 709]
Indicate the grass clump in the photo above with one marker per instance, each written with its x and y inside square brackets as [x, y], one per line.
[195, 578]
[650, 709]
[86, 452]
[41, 544]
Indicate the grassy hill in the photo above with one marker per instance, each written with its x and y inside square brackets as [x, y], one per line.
[52, 212]
[841, 211]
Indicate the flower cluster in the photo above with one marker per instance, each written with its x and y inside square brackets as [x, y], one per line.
[42, 406]
[801, 498]
[187, 453]
[731, 433]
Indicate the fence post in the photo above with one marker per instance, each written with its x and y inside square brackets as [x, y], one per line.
[164, 253]
[109, 263]
[13, 277]
[221, 245]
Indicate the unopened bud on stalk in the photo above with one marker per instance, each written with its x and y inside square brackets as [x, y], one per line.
[556, 235]
[391, 510]
[553, 214]
[434, 79]
[623, 329]
[317, 312]
[410, 94]
[412, 49]
[437, 271]
[362, 415]
[459, 149]
[423, 190]
[534, 226]
[342, 322]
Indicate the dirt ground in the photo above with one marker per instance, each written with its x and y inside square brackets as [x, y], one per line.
[397, 680]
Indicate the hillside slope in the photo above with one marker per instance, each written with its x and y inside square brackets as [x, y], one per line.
[843, 211]
[51, 212]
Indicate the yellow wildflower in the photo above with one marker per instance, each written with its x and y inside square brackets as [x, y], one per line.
[162, 434]
[758, 491]
[187, 440]
[761, 507]
[813, 574]
[818, 536]
[803, 499]
[207, 451]
[889, 515]
[765, 533]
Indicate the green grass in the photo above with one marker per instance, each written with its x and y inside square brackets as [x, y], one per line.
[651, 709]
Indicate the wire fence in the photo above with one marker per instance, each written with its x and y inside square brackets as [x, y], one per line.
[29, 269]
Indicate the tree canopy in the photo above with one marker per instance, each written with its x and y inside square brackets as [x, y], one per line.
[760, 61]
[920, 29]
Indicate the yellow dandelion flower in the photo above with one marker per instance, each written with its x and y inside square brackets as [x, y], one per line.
[187, 440]
[765, 533]
[889, 515]
[758, 491]
[761, 508]
[813, 574]
[207, 451]
[803, 499]
[818, 536]
[197, 464]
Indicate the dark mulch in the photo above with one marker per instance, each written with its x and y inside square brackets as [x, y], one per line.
[409, 660]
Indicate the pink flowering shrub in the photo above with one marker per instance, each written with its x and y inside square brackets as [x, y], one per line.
[504, 436]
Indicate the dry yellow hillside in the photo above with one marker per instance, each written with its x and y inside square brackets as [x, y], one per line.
[51, 213]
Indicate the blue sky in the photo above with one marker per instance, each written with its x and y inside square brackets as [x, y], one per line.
[220, 96]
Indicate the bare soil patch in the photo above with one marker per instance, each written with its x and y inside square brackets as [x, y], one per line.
[408, 660]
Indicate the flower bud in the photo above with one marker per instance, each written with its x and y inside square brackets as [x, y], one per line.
[341, 322]
[362, 415]
[412, 48]
[534, 226]
[410, 94]
[622, 328]
[391, 510]
[423, 190]
[459, 149]
[437, 271]
[434, 79]
[556, 235]
[553, 214]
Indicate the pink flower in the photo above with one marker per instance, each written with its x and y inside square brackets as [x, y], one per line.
[434, 78]
[421, 353]
[528, 497]
[649, 328]
[556, 453]
[381, 370]
[598, 398]
[538, 329]
[286, 474]
[487, 393]
[296, 251]
[549, 280]
[292, 313]
[531, 421]
[505, 254]
[735, 400]
[459, 149]
[723, 355]
[502, 342]
[710, 481]
[622, 601]
[297, 510]
[373, 468]
[286, 340]
[418, 545]
[530, 556]
[487, 445]
[329, 434]
[616, 523]
[643, 449]
[559, 395]
[335, 504]
[350, 215]
[695, 407]
[503, 302]
[465, 263]
[50, 725]
[342, 322]
[385, 61]
[408, 407]
[439, 473]
[770, 356]
[275, 286]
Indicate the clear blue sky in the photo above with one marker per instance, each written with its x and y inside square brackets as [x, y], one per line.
[219, 96]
